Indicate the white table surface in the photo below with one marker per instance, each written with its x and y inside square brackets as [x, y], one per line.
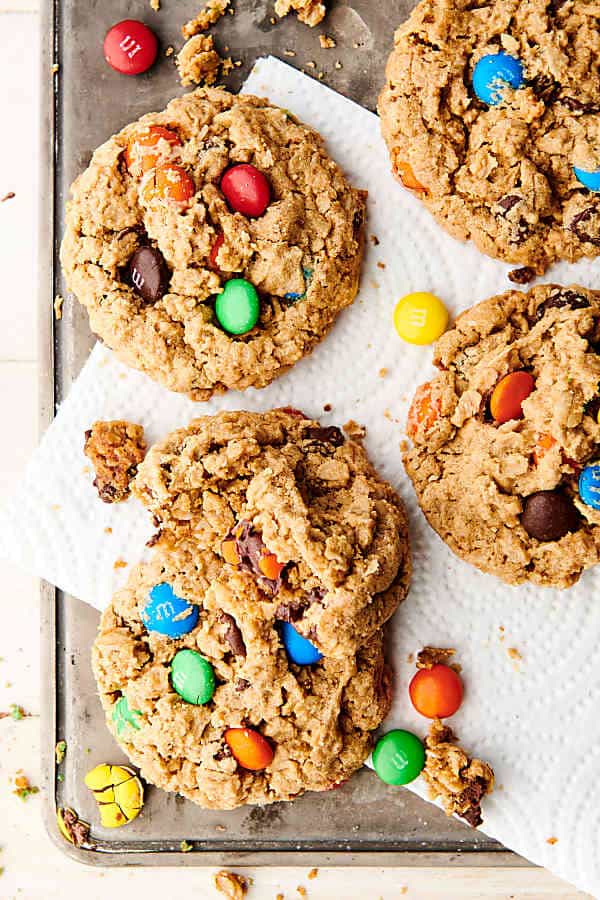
[32, 866]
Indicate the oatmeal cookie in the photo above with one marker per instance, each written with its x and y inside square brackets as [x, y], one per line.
[294, 506]
[506, 436]
[313, 724]
[153, 240]
[115, 450]
[500, 171]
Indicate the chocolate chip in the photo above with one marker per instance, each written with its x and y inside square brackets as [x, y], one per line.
[549, 515]
[292, 611]
[250, 549]
[106, 492]
[154, 539]
[148, 274]
[233, 635]
[573, 104]
[223, 753]
[508, 202]
[586, 226]
[472, 816]
[522, 276]
[241, 684]
[329, 434]
[545, 87]
[87, 436]
[561, 299]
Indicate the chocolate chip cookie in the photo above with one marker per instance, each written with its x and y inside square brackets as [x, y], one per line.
[213, 244]
[297, 508]
[506, 437]
[490, 113]
[218, 710]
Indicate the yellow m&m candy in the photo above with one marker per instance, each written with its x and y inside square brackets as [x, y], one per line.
[420, 318]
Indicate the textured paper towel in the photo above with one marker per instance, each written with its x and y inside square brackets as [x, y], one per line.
[536, 718]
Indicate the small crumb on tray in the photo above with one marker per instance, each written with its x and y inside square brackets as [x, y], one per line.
[311, 12]
[231, 885]
[115, 449]
[9, 196]
[155, 5]
[60, 751]
[58, 307]
[209, 15]
[199, 62]
[514, 653]
[169, 51]
[327, 42]
[72, 828]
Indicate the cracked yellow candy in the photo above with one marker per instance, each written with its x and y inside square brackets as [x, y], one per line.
[118, 792]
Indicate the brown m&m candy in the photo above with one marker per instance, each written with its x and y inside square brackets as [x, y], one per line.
[148, 274]
[549, 515]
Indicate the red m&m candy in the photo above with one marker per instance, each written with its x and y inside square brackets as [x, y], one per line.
[130, 47]
[246, 190]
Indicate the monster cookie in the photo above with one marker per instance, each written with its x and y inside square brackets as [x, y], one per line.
[293, 506]
[213, 244]
[222, 713]
[490, 113]
[505, 460]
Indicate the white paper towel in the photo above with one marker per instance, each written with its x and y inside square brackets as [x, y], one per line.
[535, 719]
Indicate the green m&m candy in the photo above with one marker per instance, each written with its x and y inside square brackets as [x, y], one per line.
[123, 717]
[398, 757]
[193, 677]
[238, 307]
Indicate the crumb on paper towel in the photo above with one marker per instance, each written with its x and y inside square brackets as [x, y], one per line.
[311, 12]
[404, 446]
[381, 265]
[327, 42]
[231, 885]
[410, 658]
[23, 787]
[327, 407]
[208, 15]
[312, 874]
[374, 240]
[199, 62]
[119, 564]
[552, 841]
[514, 653]
[301, 891]
[383, 372]
[10, 196]
[58, 307]
[115, 449]
[108, 530]
[354, 430]
[429, 657]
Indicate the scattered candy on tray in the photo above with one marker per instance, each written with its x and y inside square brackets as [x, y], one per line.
[168, 614]
[494, 75]
[123, 717]
[590, 180]
[299, 650]
[549, 515]
[250, 748]
[237, 308]
[420, 318]
[589, 485]
[118, 792]
[436, 692]
[148, 274]
[193, 677]
[246, 190]
[508, 396]
[71, 827]
[398, 757]
[130, 47]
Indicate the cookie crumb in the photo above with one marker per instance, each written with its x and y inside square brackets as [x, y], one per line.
[338, 64]
[10, 196]
[199, 62]
[60, 751]
[231, 885]
[429, 657]
[522, 276]
[302, 892]
[310, 12]
[381, 265]
[119, 564]
[459, 781]
[514, 653]
[374, 240]
[354, 430]
[327, 42]
[383, 372]
[209, 15]
[290, 53]
[23, 787]
[115, 449]
[169, 51]
[410, 658]
[552, 841]
[312, 874]
[327, 407]
[185, 846]
[58, 307]
[55, 69]
[311, 64]
[155, 5]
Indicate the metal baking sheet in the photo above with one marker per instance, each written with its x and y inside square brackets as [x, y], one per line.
[364, 822]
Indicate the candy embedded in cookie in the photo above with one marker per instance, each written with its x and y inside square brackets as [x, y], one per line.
[193, 677]
[504, 461]
[250, 748]
[590, 180]
[299, 650]
[495, 75]
[215, 243]
[168, 614]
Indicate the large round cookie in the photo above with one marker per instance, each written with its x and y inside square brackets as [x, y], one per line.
[318, 719]
[302, 255]
[245, 485]
[501, 175]
[505, 495]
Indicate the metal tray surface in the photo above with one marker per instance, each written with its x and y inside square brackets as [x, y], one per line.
[364, 822]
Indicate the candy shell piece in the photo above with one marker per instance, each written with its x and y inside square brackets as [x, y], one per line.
[123, 717]
[118, 792]
[193, 677]
[237, 308]
[436, 692]
[494, 75]
[590, 180]
[168, 614]
[299, 650]
[589, 485]
[250, 748]
[508, 396]
[398, 757]
[130, 47]
[420, 318]
[246, 190]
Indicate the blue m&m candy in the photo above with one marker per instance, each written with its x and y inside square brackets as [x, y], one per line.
[589, 485]
[298, 649]
[494, 73]
[169, 614]
[590, 180]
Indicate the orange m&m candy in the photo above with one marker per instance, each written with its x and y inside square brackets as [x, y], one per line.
[436, 692]
[509, 394]
[251, 749]
[270, 566]
[170, 182]
[143, 150]
[424, 410]
[408, 178]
